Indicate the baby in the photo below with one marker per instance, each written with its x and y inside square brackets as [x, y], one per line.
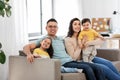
[88, 34]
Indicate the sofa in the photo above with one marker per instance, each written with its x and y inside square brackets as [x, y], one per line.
[49, 69]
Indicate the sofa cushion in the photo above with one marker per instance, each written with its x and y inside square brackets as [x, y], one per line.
[73, 76]
[109, 54]
[117, 64]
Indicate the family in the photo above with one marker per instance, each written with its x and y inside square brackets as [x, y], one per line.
[70, 50]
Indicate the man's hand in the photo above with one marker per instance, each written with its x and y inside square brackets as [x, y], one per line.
[30, 58]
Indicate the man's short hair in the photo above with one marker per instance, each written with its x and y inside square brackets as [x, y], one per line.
[52, 20]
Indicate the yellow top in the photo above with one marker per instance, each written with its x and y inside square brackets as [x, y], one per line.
[41, 52]
[91, 34]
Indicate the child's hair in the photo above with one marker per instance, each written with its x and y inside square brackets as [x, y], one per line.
[84, 20]
[50, 49]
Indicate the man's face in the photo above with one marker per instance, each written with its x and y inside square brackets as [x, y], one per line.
[52, 28]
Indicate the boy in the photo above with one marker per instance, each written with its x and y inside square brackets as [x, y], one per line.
[88, 34]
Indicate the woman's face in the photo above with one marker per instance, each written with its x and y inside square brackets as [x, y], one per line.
[76, 26]
[45, 44]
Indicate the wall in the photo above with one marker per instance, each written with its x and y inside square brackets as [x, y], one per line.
[64, 11]
[98, 8]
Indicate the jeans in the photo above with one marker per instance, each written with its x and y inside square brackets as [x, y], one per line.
[68, 70]
[109, 74]
[92, 71]
[106, 63]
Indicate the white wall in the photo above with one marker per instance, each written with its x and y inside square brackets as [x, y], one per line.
[64, 11]
[98, 8]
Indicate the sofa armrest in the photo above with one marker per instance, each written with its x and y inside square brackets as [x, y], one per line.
[110, 54]
[40, 69]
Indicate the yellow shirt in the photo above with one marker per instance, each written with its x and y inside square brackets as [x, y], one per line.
[91, 34]
[41, 52]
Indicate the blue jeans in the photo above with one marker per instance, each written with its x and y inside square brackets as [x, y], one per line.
[109, 74]
[106, 63]
[110, 71]
[92, 71]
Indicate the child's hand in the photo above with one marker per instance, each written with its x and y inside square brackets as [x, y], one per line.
[36, 55]
[101, 37]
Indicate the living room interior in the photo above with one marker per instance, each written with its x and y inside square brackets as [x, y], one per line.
[28, 20]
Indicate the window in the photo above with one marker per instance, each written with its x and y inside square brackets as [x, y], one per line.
[38, 12]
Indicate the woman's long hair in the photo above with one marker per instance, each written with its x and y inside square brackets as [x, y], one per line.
[70, 31]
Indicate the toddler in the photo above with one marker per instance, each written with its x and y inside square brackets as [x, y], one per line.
[88, 34]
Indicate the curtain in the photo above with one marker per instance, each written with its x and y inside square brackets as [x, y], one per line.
[13, 33]
[20, 27]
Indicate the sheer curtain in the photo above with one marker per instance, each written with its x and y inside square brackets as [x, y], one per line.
[20, 25]
[13, 33]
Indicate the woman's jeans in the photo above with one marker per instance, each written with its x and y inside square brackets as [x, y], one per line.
[92, 71]
[106, 63]
[110, 71]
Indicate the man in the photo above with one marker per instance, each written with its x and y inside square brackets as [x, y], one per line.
[52, 28]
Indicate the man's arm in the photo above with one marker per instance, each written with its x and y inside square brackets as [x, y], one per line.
[27, 50]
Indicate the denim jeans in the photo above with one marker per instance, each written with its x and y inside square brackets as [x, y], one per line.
[109, 74]
[110, 71]
[106, 63]
[68, 70]
[92, 71]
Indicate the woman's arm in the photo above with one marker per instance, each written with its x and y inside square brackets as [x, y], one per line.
[97, 41]
[73, 51]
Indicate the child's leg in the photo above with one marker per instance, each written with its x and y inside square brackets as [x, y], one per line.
[91, 57]
[85, 58]
[86, 54]
[93, 53]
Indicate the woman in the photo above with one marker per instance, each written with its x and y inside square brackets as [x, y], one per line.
[72, 47]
